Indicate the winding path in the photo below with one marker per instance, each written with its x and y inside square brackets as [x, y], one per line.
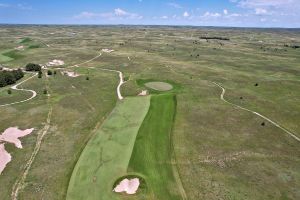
[15, 87]
[76, 65]
[256, 113]
[120, 84]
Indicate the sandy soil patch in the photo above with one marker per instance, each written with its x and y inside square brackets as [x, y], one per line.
[12, 135]
[160, 86]
[55, 63]
[108, 50]
[20, 48]
[5, 158]
[128, 186]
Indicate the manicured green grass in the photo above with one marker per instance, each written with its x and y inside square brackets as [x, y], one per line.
[153, 150]
[160, 86]
[106, 157]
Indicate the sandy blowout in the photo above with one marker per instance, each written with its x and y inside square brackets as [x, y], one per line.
[10, 135]
[55, 63]
[128, 186]
[71, 74]
[108, 50]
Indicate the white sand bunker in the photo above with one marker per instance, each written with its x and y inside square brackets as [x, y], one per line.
[128, 186]
[143, 93]
[160, 86]
[5, 158]
[71, 74]
[10, 135]
[108, 50]
[55, 63]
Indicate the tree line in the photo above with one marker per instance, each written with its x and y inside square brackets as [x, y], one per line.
[10, 77]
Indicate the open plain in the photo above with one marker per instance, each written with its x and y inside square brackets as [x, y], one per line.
[220, 119]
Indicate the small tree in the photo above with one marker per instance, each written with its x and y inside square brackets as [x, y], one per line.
[87, 78]
[54, 72]
[49, 72]
[45, 91]
[8, 91]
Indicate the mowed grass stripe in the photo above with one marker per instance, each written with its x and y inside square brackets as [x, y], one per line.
[107, 155]
[152, 152]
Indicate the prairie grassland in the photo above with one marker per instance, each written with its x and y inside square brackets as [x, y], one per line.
[221, 152]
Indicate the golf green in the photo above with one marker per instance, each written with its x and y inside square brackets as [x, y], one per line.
[159, 86]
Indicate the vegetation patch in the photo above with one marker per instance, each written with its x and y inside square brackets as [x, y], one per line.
[214, 38]
[13, 54]
[25, 40]
[33, 67]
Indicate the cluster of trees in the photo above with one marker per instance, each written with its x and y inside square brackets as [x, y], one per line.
[10, 77]
[33, 67]
[214, 38]
[294, 46]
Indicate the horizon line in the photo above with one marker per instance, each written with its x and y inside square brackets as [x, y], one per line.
[166, 25]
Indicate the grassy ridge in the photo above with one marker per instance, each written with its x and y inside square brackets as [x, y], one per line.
[106, 156]
[152, 151]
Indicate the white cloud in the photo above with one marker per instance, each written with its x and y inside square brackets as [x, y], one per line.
[118, 13]
[164, 17]
[24, 6]
[16, 6]
[209, 14]
[225, 11]
[174, 5]
[263, 19]
[260, 11]
[186, 14]
[265, 3]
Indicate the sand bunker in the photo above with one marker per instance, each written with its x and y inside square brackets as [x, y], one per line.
[160, 86]
[5, 158]
[55, 63]
[128, 186]
[108, 50]
[10, 135]
[71, 74]
[143, 93]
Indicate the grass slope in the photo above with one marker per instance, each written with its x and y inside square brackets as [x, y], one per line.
[153, 149]
[106, 156]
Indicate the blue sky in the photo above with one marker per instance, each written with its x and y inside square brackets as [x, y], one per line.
[241, 13]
